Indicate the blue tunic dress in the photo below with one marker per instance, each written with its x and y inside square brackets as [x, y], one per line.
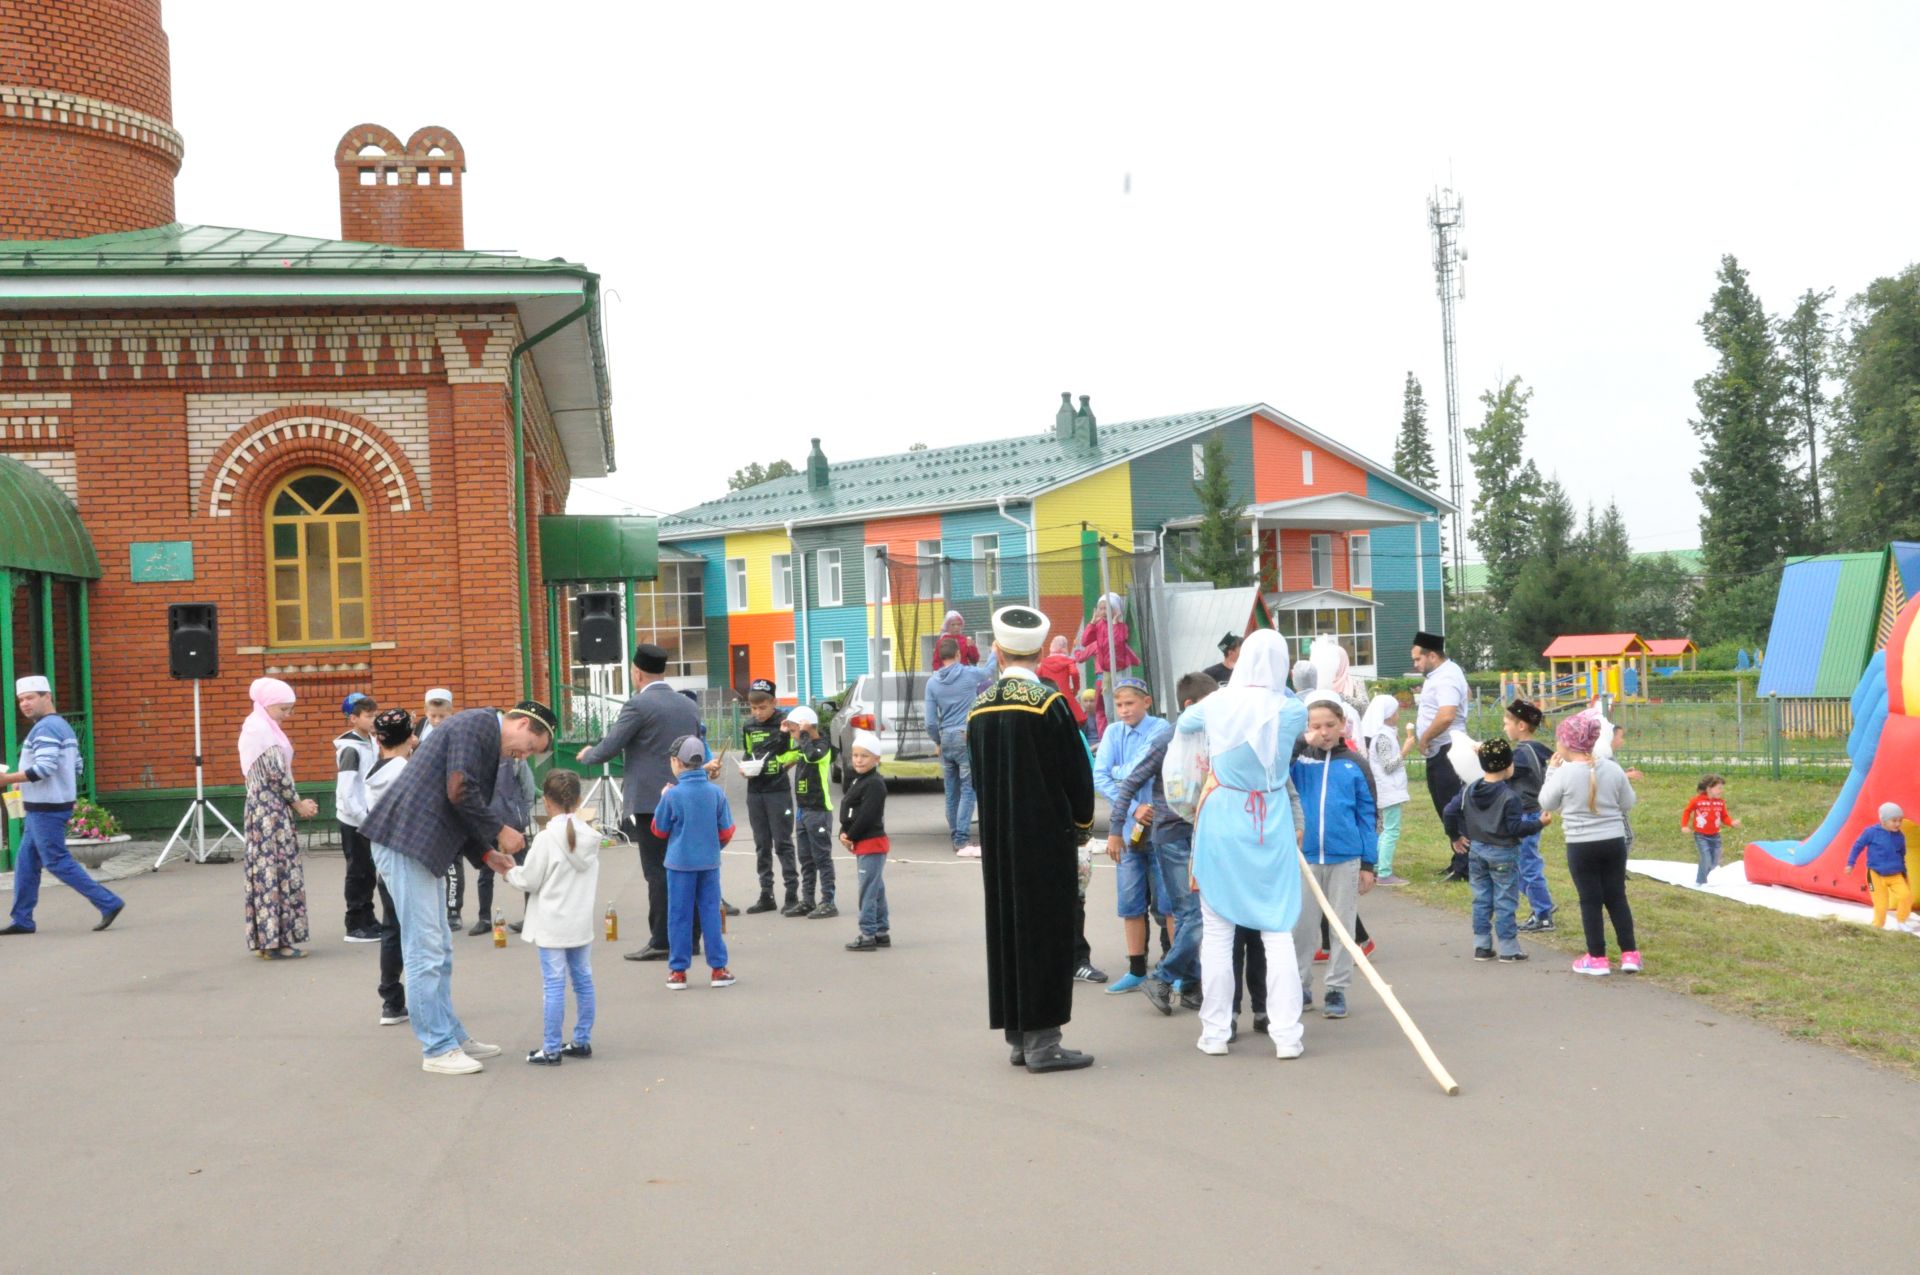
[1245, 857]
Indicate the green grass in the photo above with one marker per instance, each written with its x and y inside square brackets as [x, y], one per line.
[1830, 981]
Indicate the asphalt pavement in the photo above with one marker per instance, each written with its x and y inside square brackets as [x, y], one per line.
[177, 1105]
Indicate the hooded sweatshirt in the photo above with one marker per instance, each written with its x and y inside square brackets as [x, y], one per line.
[950, 696]
[1336, 790]
[560, 881]
[1489, 812]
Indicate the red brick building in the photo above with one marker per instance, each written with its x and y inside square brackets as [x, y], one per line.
[340, 444]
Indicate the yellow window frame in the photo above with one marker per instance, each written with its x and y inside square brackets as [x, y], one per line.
[331, 524]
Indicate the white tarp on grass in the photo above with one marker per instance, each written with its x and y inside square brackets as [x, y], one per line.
[1729, 881]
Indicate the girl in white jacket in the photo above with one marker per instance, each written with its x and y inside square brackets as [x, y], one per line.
[560, 877]
[1387, 759]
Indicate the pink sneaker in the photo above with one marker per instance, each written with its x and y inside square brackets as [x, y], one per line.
[1595, 965]
[1629, 962]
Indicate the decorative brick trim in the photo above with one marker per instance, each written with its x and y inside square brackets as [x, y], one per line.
[75, 110]
[401, 414]
[380, 458]
[216, 347]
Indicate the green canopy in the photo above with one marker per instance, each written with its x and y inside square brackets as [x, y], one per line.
[40, 530]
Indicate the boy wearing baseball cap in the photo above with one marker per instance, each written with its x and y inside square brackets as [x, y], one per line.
[693, 818]
[809, 755]
[354, 755]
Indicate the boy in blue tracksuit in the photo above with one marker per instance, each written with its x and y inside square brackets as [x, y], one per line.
[1489, 820]
[1340, 843]
[694, 819]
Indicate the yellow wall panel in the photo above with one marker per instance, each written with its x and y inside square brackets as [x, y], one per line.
[1103, 500]
[758, 548]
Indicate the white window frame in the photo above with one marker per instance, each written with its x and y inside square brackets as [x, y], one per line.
[827, 563]
[1306, 468]
[833, 666]
[886, 655]
[784, 671]
[737, 584]
[780, 566]
[928, 643]
[1199, 461]
[1359, 560]
[1320, 550]
[986, 566]
[933, 582]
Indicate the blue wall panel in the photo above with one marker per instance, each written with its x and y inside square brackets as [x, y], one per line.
[1398, 618]
[849, 624]
[957, 531]
[1799, 635]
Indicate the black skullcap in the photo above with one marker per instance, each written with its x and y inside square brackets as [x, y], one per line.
[393, 727]
[534, 710]
[649, 658]
[1528, 712]
[1229, 642]
[1496, 755]
[1430, 642]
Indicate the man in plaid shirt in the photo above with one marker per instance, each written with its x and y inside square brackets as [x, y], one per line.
[436, 811]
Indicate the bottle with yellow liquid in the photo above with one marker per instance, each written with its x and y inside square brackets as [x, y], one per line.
[613, 925]
[499, 927]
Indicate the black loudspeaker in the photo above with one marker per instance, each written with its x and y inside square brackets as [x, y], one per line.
[193, 648]
[597, 637]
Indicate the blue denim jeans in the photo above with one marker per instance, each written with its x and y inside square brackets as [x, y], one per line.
[873, 893]
[956, 773]
[426, 946]
[1182, 903]
[689, 893]
[557, 965]
[1533, 877]
[1494, 872]
[1130, 880]
[45, 845]
[1708, 850]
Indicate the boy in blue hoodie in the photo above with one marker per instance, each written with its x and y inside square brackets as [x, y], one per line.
[693, 818]
[1487, 821]
[1340, 844]
[1885, 845]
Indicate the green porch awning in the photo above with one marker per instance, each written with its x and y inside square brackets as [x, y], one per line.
[40, 530]
[577, 547]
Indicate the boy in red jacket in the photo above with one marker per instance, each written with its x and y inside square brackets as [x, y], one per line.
[1704, 817]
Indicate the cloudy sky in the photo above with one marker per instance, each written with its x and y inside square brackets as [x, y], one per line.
[892, 223]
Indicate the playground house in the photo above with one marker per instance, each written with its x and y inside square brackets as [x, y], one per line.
[1620, 666]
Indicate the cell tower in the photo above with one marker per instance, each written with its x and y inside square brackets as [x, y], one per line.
[1446, 215]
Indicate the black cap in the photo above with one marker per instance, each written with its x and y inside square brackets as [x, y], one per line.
[538, 712]
[1430, 642]
[1229, 642]
[1496, 755]
[649, 658]
[393, 727]
[761, 686]
[1528, 712]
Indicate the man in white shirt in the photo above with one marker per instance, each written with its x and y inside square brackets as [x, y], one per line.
[1442, 710]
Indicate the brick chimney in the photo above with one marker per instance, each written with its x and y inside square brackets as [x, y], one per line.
[407, 194]
[87, 143]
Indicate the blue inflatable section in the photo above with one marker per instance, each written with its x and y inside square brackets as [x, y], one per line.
[1869, 718]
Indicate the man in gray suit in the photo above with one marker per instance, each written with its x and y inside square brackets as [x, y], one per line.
[643, 736]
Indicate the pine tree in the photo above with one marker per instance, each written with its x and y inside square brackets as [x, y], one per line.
[1561, 587]
[1413, 450]
[1755, 513]
[1508, 487]
[1874, 453]
[1806, 341]
[1220, 553]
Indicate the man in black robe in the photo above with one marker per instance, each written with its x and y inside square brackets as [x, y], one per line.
[1034, 781]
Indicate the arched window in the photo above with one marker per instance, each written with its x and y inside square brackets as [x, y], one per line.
[316, 561]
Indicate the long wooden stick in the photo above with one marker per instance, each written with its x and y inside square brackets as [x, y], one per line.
[1420, 1045]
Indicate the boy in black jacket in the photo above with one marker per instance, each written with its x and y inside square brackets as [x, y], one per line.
[809, 754]
[863, 831]
[1487, 821]
[769, 794]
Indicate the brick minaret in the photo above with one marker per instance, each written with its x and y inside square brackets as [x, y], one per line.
[406, 195]
[87, 143]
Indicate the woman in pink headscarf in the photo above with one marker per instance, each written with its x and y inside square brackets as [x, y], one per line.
[1093, 645]
[276, 881]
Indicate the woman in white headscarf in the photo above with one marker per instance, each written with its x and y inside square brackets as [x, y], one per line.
[1336, 675]
[276, 881]
[1246, 839]
[1386, 756]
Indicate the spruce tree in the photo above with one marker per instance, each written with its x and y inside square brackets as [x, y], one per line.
[1413, 450]
[1508, 487]
[1874, 457]
[1220, 553]
[1560, 588]
[1806, 340]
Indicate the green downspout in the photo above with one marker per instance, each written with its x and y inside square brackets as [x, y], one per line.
[85, 663]
[9, 732]
[46, 634]
[522, 535]
[553, 648]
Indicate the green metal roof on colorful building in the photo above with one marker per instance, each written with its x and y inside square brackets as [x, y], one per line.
[1473, 575]
[972, 475]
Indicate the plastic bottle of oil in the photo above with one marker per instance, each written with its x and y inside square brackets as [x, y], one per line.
[499, 927]
[613, 925]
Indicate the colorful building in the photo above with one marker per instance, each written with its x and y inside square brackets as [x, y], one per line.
[816, 578]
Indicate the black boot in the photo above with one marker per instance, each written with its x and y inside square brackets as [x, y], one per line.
[765, 904]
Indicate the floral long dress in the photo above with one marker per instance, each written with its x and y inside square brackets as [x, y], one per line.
[276, 879]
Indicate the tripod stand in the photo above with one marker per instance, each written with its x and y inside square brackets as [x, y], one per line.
[604, 797]
[197, 808]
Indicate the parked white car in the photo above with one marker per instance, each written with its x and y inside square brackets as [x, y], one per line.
[892, 706]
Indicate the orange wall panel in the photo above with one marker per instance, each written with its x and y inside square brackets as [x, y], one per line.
[1277, 471]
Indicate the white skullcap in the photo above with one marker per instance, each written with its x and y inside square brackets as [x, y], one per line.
[28, 685]
[865, 741]
[1020, 630]
[439, 695]
[1891, 810]
[803, 716]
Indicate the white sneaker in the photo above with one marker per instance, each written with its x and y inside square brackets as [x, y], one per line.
[1217, 1048]
[451, 1063]
[968, 852]
[474, 1049]
[1289, 1051]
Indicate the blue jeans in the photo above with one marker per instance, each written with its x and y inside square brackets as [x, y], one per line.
[1182, 903]
[1708, 849]
[426, 946]
[45, 845]
[688, 893]
[557, 965]
[1494, 872]
[956, 772]
[1533, 877]
[873, 892]
[1130, 880]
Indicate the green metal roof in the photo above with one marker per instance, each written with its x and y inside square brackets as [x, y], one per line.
[1853, 621]
[1474, 574]
[598, 547]
[225, 248]
[40, 530]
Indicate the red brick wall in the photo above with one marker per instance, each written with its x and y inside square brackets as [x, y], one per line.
[82, 168]
[404, 194]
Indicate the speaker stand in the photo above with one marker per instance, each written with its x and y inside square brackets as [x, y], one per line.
[604, 797]
[197, 808]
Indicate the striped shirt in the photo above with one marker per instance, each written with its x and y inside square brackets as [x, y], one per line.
[50, 759]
